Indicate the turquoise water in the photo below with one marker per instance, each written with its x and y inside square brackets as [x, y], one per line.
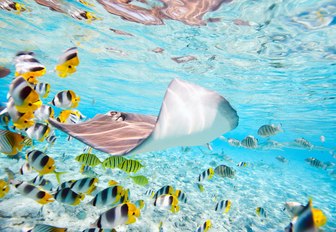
[280, 68]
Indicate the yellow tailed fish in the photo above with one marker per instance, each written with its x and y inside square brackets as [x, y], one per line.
[207, 174]
[69, 197]
[167, 201]
[204, 227]
[309, 219]
[12, 143]
[223, 206]
[26, 99]
[242, 164]
[110, 197]
[42, 163]
[261, 212]
[85, 185]
[20, 120]
[28, 67]
[4, 188]
[140, 180]
[66, 100]
[68, 62]
[88, 159]
[130, 166]
[150, 192]
[70, 116]
[113, 161]
[33, 192]
[122, 214]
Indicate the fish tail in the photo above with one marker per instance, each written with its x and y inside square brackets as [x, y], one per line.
[58, 176]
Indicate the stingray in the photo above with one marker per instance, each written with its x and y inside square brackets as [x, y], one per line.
[190, 115]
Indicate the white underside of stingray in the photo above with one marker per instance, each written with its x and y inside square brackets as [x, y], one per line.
[190, 115]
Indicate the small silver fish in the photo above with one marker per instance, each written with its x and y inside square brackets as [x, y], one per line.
[281, 159]
[225, 171]
[269, 130]
[234, 142]
[302, 142]
[315, 162]
[249, 142]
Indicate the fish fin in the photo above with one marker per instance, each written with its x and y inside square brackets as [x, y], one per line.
[58, 176]
[175, 209]
[131, 220]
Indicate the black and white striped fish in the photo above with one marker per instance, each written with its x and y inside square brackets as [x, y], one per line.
[110, 196]
[167, 201]
[66, 100]
[223, 206]
[51, 139]
[181, 196]
[41, 181]
[315, 162]
[225, 171]
[204, 227]
[302, 142]
[85, 185]
[33, 192]
[69, 197]
[43, 89]
[26, 99]
[207, 174]
[150, 192]
[126, 213]
[38, 131]
[164, 190]
[269, 130]
[249, 142]
[43, 113]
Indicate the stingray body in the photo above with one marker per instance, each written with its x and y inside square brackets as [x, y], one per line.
[190, 115]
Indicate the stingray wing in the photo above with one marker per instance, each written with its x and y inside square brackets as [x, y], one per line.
[112, 135]
[190, 115]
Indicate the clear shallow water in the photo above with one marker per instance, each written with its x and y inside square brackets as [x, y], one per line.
[278, 69]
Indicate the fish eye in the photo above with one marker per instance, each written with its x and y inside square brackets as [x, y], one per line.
[25, 121]
[70, 66]
[30, 104]
[133, 213]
